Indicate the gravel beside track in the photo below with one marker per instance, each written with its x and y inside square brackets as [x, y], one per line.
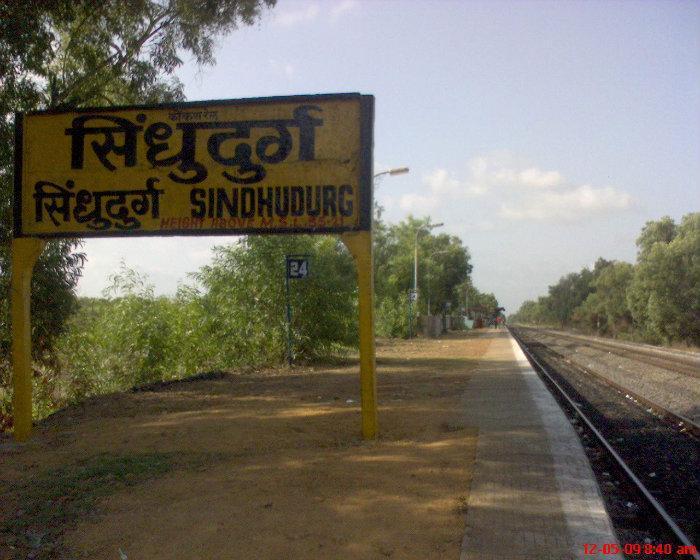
[690, 355]
[662, 457]
[680, 361]
[676, 392]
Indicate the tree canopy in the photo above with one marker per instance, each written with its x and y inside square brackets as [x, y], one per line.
[664, 294]
[62, 54]
[444, 268]
[73, 53]
[232, 313]
[657, 299]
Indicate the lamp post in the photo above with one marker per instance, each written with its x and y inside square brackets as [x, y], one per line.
[422, 229]
[393, 171]
[443, 252]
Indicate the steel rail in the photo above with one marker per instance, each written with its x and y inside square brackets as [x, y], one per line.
[677, 531]
[685, 365]
[682, 423]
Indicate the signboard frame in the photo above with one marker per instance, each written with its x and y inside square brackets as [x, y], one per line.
[27, 247]
[365, 186]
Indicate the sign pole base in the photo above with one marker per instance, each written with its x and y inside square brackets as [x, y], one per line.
[360, 246]
[25, 252]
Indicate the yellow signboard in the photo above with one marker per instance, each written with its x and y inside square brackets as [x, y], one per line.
[297, 164]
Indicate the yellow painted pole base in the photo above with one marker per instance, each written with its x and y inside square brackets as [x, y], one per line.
[25, 252]
[360, 246]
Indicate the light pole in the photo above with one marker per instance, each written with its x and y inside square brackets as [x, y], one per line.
[423, 229]
[443, 252]
[376, 209]
[393, 171]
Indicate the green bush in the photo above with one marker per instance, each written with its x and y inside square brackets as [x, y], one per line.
[243, 301]
[235, 315]
[123, 340]
[392, 317]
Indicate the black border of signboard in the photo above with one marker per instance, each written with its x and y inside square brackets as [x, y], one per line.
[366, 150]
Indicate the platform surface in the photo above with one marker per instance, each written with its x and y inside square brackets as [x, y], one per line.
[533, 495]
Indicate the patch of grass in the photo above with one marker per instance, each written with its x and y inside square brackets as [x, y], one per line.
[46, 504]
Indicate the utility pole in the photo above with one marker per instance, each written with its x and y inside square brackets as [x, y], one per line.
[423, 229]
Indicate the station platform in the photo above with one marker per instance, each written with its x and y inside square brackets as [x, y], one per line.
[533, 494]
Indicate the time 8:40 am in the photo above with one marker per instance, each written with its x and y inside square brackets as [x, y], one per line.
[632, 549]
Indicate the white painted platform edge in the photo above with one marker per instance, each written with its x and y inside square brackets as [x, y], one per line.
[581, 500]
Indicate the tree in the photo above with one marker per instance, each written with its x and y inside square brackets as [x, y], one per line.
[444, 263]
[472, 297]
[572, 300]
[58, 54]
[70, 53]
[524, 313]
[533, 313]
[664, 294]
[444, 266]
[243, 318]
[605, 309]
[126, 338]
[661, 231]
[611, 288]
[567, 294]
[658, 299]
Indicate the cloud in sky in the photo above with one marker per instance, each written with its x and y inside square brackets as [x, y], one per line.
[298, 13]
[522, 191]
[417, 203]
[165, 260]
[573, 205]
[342, 8]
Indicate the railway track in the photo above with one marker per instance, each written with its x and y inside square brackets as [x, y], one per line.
[680, 421]
[660, 386]
[679, 362]
[658, 459]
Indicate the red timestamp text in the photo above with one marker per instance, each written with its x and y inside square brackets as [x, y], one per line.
[632, 549]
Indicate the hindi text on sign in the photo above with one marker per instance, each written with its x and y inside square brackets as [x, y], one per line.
[300, 164]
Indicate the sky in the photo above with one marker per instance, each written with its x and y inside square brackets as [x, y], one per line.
[543, 134]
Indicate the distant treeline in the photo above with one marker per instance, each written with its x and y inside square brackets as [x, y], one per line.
[655, 300]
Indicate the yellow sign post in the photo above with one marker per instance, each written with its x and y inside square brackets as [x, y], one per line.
[299, 164]
[24, 254]
[360, 246]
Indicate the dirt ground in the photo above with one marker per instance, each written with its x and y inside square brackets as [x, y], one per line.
[262, 465]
